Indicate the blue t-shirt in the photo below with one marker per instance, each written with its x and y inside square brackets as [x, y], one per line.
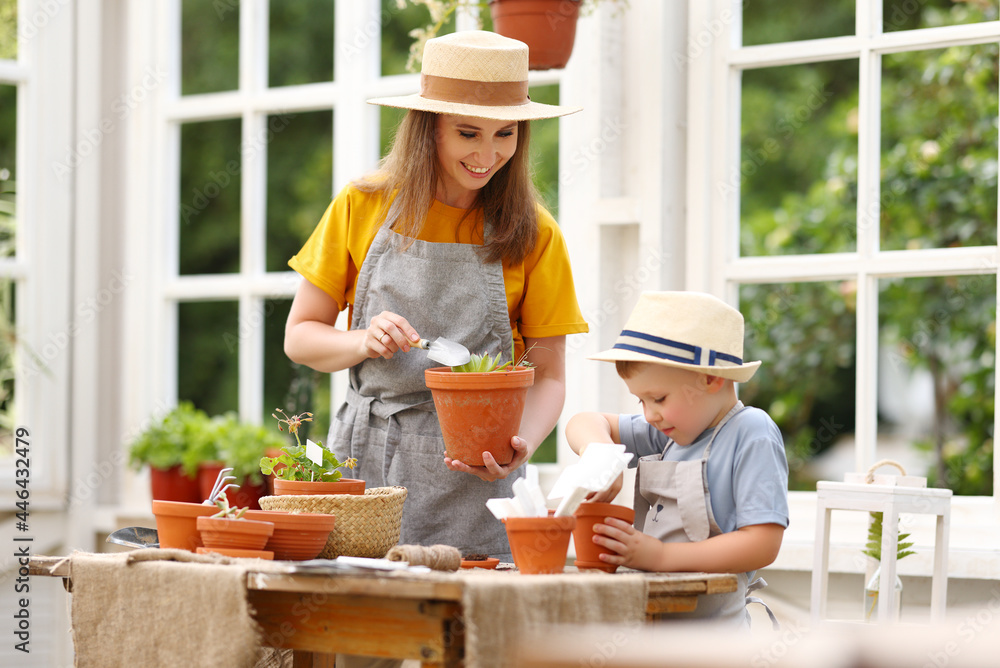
[747, 469]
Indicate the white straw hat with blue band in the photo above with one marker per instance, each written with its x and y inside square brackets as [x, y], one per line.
[687, 330]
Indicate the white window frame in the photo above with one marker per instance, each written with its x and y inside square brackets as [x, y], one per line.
[715, 64]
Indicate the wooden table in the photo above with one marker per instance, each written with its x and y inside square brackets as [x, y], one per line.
[408, 616]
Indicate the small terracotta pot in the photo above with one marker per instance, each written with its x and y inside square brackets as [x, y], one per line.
[224, 532]
[539, 544]
[312, 487]
[247, 496]
[177, 523]
[297, 536]
[587, 515]
[548, 27]
[479, 412]
[173, 485]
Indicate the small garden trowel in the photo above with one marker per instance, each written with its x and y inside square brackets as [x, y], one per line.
[445, 352]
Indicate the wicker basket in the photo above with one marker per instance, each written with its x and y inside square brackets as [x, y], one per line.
[366, 526]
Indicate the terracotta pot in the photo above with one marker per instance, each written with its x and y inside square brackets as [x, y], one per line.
[479, 412]
[173, 485]
[297, 536]
[587, 515]
[548, 27]
[242, 534]
[247, 496]
[539, 544]
[309, 487]
[177, 523]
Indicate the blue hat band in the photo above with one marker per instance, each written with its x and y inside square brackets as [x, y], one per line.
[675, 351]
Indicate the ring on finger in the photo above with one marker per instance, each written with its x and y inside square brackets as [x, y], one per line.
[381, 339]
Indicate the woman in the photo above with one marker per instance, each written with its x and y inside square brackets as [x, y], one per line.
[446, 239]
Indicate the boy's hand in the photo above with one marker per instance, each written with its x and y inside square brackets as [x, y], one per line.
[631, 548]
[608, 495]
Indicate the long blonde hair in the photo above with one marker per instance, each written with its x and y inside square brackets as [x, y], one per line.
[411, 171]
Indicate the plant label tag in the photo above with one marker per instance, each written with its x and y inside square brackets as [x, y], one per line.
[314, 452]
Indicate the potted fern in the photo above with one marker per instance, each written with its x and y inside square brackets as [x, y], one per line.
[479, 405]
[310, 468]
[874, 550]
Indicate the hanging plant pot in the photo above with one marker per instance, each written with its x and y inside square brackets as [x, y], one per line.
[312, 487]
[224, 532]
[479, 412]
[587, 516]
[177, 523]
[539, 544]
[173, 485]
[548, 27]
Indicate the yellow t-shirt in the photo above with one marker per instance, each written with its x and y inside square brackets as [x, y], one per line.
[541, 297]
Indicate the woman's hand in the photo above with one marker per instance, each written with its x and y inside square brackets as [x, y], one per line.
[388, 333]
[491, 471]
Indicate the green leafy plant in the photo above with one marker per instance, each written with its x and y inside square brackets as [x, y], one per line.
[294, 463]
[226, 511]
[241, 445]
[185, 436]
[874, 546]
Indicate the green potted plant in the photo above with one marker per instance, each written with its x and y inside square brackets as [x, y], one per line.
[295, 472]
[172, 447]
[239, 445]
[548, 27]
[479, 405]
[229, 533]
[874, 550]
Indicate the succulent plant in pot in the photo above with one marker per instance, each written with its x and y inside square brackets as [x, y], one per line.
[296, 472]
[479, 405]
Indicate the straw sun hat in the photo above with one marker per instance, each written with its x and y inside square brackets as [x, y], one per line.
[687, 330]
[476, 73]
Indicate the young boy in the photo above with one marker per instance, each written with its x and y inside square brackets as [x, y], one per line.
[711, 491]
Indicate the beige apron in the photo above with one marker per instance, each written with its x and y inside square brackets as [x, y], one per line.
[673, 504]
[388, 421]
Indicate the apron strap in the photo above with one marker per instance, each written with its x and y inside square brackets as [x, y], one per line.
[757, 584]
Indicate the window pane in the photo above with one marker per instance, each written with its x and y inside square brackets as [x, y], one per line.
[396, 39]
[210, 197]
[936, 379]
[798, 162]
[769, 21]
[8, 29]
[9, 354]
[299, 174]
[545, 149]
[210, 46]
[939, 148]
[389, 120]
[207, 355]
[301, 37]
[295, 388]
[8, 162]
[913, 14]
[804, 335]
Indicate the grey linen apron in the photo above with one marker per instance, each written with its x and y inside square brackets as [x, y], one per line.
[678, 495]
[388, 421]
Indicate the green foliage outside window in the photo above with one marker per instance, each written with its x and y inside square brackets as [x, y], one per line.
[938, 190]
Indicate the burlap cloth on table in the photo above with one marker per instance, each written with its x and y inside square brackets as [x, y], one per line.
[502, 608]
[147, 608]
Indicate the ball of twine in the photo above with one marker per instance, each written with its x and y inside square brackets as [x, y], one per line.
[437, 557]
